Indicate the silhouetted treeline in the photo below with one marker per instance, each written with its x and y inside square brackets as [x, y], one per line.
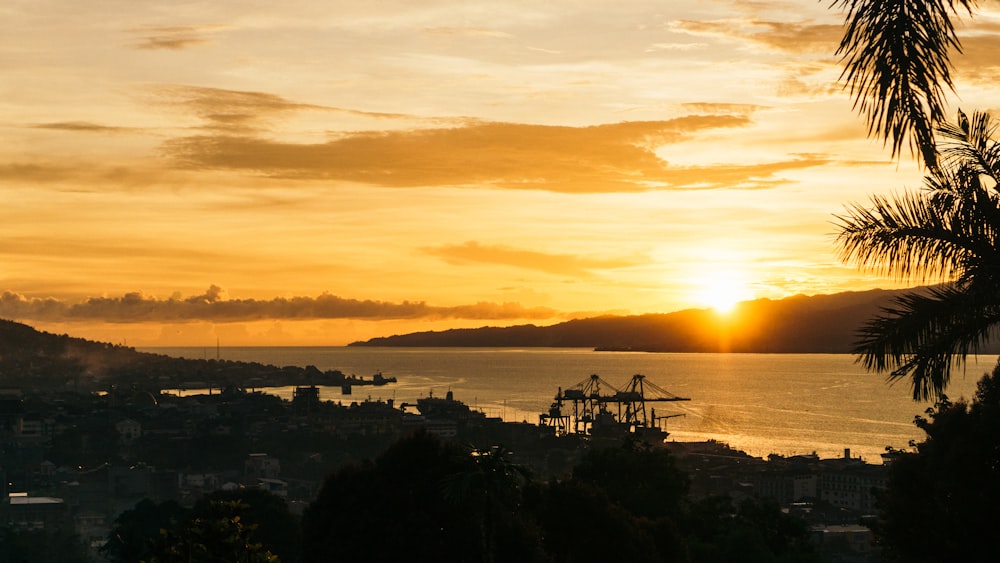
[428, 500]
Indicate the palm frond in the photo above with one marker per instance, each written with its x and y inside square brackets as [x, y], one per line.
[968, 145]
[897, 67]
[927, 334]
[906, 237]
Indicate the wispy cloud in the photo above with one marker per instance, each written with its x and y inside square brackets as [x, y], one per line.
[173, 37]
[559, 264]
[792, 37]
[978, 62]
[466, 32]
[716, 108]
[228, 110]
[79, 126]
[215, 306]
[235, 111]
[31, 172]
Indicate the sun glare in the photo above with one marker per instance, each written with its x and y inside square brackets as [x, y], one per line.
[722, 292]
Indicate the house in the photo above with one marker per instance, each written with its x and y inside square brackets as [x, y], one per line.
[276, 487]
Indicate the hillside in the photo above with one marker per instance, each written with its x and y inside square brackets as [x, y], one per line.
[799, 324]
[31, 359]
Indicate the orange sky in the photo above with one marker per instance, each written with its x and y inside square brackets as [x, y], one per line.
[313, 172]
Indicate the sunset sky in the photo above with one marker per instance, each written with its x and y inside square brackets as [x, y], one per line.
[318, 172]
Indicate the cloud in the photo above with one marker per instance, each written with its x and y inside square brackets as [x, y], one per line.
[173, 38]
[797, 37]
[81, 126]
[229, 110]
[978, 62]
[83, 175]
[215, 306]
[721, 108]
[559, 264]
[23, 172]
[235, 111]
[466, 32]
[618, 157]
[789, 37]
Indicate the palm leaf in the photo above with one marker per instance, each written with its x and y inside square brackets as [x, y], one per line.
[927, 334]
[949, 230]
[897, 67]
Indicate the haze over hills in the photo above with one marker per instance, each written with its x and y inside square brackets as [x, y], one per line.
[798, 324]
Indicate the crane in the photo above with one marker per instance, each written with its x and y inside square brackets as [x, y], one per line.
[599, 407]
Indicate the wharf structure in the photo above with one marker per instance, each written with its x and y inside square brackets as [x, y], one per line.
[596, 408]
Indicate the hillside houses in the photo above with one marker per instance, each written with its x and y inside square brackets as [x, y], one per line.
[83, 459]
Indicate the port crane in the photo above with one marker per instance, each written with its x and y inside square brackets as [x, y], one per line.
[600, 408]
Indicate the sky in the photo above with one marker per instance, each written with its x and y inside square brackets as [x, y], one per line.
[315, 172]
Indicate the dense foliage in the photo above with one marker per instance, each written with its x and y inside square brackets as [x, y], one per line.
[429, 500]
[245, 525]
[943, 500]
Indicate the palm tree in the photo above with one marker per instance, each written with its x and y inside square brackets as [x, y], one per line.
[491, 488]
[897, 67]
[949, 231]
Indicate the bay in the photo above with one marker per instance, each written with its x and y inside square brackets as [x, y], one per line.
[786, 404]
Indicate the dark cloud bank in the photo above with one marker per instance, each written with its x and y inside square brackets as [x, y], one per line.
[214, 307]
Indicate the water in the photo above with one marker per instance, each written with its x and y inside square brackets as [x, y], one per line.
[760, 403]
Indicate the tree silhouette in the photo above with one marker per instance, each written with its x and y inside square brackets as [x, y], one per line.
[220, 536]
[643, 479]
[274, 527]
[951, 231]
[137, 529]
[221, 524]
[942, 502]
[489, 489]
[392, 508]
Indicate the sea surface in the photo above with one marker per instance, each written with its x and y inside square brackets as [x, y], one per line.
[760, 403]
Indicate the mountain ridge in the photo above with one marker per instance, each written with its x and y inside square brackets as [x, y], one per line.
[825, 323]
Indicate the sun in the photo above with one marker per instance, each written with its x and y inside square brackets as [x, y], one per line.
[722, 291]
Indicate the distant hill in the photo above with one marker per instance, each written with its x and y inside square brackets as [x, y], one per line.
[799, 324]
[31, 359]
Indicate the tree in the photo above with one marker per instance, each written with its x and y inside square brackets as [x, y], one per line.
[897, 66]
[220, 536]
[643, 479]
[275, 527]
[137, 529]
[393, 508]
[581, 525]
[489, 491]
[219, 523]
[755, 529]
[942, 502]
[950, 231]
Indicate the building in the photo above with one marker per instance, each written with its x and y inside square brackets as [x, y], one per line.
[23, 512]
[261, 466]
[129, 430]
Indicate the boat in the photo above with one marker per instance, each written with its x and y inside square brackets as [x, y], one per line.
[379, 379]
